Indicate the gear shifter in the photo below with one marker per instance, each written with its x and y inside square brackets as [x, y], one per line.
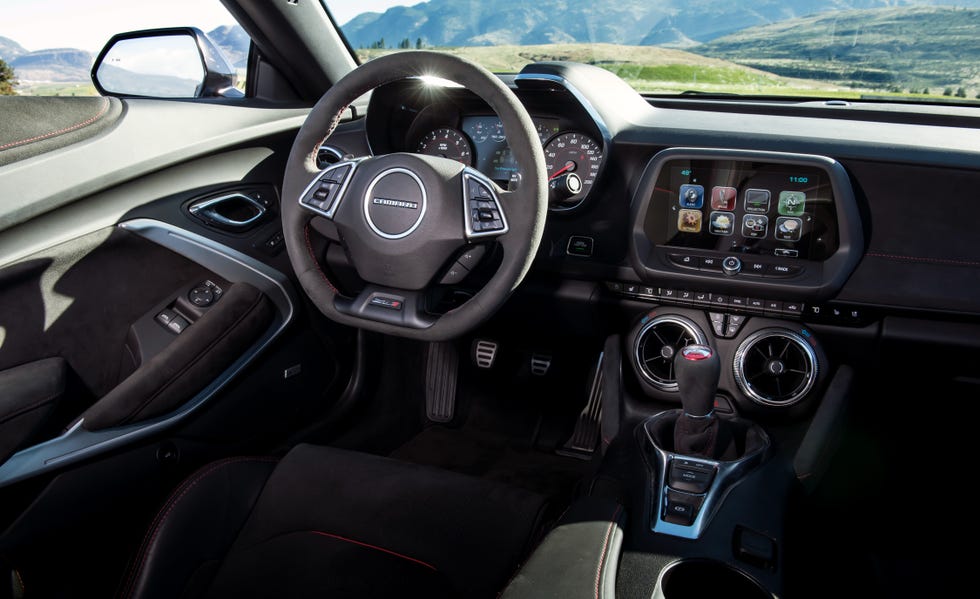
[698, 432]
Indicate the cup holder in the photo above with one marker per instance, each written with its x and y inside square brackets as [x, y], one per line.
[696, 579]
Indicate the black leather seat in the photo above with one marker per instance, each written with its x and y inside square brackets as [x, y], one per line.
[324, 522]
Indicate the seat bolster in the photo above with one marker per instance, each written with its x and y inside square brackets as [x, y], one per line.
[194, 529]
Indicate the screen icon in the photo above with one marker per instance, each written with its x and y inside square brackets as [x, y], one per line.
[691, 196]
[757, 201]
[792, 203]
[723, 198]
[755, 225]
[721, 223]
[788, 228]
[689, 221]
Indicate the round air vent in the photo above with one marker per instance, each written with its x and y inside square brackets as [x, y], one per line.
[658, 342]
[775, 367]
[328, 155]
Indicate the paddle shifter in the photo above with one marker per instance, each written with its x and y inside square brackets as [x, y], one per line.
[698, 432]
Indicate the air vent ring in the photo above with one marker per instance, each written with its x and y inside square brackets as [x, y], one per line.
[775, 367]
[658, 342]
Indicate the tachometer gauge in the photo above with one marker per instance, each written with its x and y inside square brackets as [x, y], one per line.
[447, 143]
[573, 153]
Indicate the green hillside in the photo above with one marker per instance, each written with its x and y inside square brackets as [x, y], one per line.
[891, 48]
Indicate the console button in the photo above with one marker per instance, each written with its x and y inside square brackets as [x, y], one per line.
[702, 296]
[615, 286]
[755, 303]
[678, 512]
[735, 322]
[580, 245]
[690, 476]
[731, 265]
[717, 323]
[631, 288]
[685, 296]
[773, 306]
[751, 267]
[668, 293]
[795, 308]
[737, 302]
[723, 406]
[711, 264]
[166, 316]
[201, 296]
[177, 324]
[685, 260]
[782, 270]
[650, 291]
[719, 300]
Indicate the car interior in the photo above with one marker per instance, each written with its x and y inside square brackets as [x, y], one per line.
[411, 328]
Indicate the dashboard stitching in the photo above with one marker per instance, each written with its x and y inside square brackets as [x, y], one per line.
[923, 259]
[99, 115]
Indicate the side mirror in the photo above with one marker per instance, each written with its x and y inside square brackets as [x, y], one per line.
[177, 62]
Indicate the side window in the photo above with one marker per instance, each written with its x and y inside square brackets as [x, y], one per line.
[44, 56]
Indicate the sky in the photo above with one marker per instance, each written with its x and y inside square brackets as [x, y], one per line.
[39, 24]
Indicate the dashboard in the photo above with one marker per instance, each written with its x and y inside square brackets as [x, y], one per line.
[842, 212]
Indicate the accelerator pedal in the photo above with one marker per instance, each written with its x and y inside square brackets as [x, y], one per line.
[441, 374]
[582, 444]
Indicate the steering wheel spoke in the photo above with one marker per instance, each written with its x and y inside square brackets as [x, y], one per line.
[326, 191]
[399, 307]
[483, 212]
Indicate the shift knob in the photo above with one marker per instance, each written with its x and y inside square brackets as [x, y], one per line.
[697, 368]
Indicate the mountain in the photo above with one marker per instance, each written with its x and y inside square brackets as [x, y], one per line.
[55, 64]
[677, 23]
[9, 49]
[889, 47]
[234, 43]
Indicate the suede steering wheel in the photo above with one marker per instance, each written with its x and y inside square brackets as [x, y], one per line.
[403, 217]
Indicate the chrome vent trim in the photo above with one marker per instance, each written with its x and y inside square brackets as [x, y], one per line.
[798, 370]
[664, 329]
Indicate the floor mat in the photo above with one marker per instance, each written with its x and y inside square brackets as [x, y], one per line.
[495, 457]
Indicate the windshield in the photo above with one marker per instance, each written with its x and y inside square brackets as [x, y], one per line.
[871, 49]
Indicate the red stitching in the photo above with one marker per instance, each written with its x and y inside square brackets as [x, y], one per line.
[168, 507]
[920, 259]
[375, 547]
[605, 543]
[105, 108]
[316, 263]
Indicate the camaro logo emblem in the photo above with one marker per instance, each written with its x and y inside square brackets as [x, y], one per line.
[395, 203]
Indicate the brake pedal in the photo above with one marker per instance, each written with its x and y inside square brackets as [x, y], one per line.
[540, 363]
[441, 373]
[585, 437]
[484, 353]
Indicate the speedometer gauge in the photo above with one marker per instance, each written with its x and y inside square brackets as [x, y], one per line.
[447, 143]
[573, 153]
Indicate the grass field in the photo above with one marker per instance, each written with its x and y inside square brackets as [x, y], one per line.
[57, 89]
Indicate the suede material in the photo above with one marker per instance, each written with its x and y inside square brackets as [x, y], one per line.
[578, 558]
[526, 207]
[77, 300]
[705, 437]
[471, 533]
[191, 361]
[194, 529]
[28, 396]
[32, 126]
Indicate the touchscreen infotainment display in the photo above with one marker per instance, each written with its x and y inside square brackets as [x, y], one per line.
[745, 207]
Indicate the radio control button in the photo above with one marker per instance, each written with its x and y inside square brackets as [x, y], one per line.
[685, 260]
[731, 265]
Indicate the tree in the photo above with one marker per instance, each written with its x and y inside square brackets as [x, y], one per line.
[405, 44]
[8, 79]
[960, 92]
[948, 91]
[418, 43]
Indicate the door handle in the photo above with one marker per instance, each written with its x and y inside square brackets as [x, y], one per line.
[240, 211]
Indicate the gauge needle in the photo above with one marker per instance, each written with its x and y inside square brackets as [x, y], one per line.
[568, 165]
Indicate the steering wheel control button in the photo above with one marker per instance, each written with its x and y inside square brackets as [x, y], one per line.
[731, 265]
[394, 203]
[387, 302]
[685, 260]
[471, 257]
[580, 245]
[484, 215]
[201, 296]
[323, 194]
[337, 174]
[454, 274]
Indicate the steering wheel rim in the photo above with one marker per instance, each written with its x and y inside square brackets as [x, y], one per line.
[525, 207]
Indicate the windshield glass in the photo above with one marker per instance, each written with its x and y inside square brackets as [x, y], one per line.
[873, 49]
